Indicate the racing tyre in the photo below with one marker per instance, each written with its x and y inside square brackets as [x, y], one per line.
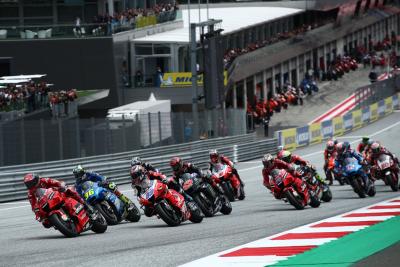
[99, 226]
[295, 201]
[327, 196]
[167, 213]
[226, 206]
[355, 183]
[372, 191]
[204, 204]
[242, 194]
[108, 212]
[314, 202]
[392, 182]
[196, 214]
[134, 214]
[67, 228]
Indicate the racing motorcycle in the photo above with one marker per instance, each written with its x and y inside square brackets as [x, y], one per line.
[386, 171]
[282, 183]
[352, 171]
[167, 204]
[223, 174]
[316, 188]
[66, 214]
[209, 201]
[331, 173]
[108, 204]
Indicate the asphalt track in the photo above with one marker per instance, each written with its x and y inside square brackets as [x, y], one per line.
[23, 241]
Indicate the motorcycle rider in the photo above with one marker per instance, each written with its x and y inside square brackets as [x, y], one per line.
[138, 161]
[33, 182]
[138, 174]
[81, 176]
[216, 158]
[363, 145]
[377, 150]
[180, 167]
[270, 163]
[297, 182]
[344, 151]
[329, 152]
[287, 156]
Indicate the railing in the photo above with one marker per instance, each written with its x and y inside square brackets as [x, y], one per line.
[116, 167]
[86, 30]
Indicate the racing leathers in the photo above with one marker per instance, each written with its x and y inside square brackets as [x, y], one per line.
[225, 160]
[296, 159]
[56, 185]
[373, 157]
[174, 183]
[339, 163]
[277, 164]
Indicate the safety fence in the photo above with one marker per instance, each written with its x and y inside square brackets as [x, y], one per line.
[317, 132]
[116, 166]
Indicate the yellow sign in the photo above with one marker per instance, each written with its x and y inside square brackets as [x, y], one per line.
[357, 119]
[315, 133]
[338, 127]
[389, 105]
[184, 79]
[374, 112]
[289, 138]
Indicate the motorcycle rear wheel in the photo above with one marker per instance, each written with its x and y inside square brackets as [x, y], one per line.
[294, 200]
[61, 225]
[99, 226]
[111, 218]
[167, 215]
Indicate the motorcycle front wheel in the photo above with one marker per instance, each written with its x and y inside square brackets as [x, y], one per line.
[66, 228]
[204, 204]
[391, 180]
[226, 206]
[357, 186]
[134, 214]
[107, 212]
[294, 200]
[167, 214]
[228, 191]
[99, 226]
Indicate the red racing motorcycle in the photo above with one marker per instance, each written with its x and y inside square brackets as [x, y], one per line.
[167, 204]
[223, 175]
[66, 214]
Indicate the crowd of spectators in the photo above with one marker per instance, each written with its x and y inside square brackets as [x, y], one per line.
[127, 18]
[32, 96]
[232, 53]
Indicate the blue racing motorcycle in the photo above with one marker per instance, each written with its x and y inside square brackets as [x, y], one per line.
[108, 204]
[353, 171]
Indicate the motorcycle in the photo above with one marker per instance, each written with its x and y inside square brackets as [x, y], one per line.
[284, 183]
[108, 204]
[316, 188]
[223, 174]
[209, 201]
[386, 171]
[352, 171]
[66, 214]
[168, 204]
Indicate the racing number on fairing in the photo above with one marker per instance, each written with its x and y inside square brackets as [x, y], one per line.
[88, 193]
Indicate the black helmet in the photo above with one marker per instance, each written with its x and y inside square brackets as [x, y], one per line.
[136, 161]
[78, 172]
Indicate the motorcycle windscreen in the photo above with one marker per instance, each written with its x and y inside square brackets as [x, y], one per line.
[149, 193]
[351, 165]
[384, 162]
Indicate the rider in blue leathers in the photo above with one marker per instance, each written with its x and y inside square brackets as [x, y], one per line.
[81, 176]
[344, 151]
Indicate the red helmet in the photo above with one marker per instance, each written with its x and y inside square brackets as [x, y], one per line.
[330, 146]
[285, 155]
[267, 160]
[137, 171]
[176, 163]
[214, 155]
[31, 180]
[375, 147]
[339, 148]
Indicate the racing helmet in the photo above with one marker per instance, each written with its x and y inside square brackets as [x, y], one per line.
[285, 155]
[136, 161]
[267, 160]
[365, 140]
[78, 172]
[330, 146]
[137, 171]
[31, 180]
[176, 163]
[375, 147]
[214, 155]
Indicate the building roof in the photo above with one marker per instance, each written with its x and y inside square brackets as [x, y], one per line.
[233, 19]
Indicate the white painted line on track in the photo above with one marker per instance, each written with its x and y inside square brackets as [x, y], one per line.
[12, 208]
[14, 203]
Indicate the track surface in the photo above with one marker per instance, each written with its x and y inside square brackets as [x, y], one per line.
[150, 242]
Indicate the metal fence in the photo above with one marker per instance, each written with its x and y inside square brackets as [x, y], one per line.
[116, 167]
[28, 141]
[377, 91]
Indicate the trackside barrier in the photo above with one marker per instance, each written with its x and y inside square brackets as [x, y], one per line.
[315, 133]
[12, 187]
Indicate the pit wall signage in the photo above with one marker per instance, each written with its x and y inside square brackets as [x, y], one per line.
[184, 79]
[316, 133]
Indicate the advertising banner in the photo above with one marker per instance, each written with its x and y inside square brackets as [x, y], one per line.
[374, 112]
[338, 128]
[315, 133]
[348, 122]
[288, 138]
[388, 105]
[381, 108]
[302, 136]
[365, 115]
[184, 79]
[357, 121]
[395, 101]
[327, 129]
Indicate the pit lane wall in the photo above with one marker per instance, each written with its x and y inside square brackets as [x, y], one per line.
[315, 133]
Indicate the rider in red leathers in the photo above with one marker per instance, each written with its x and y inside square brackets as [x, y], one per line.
[270, 163]
[33, 182]
[289, 179]
[377, 150]
[329, 152]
